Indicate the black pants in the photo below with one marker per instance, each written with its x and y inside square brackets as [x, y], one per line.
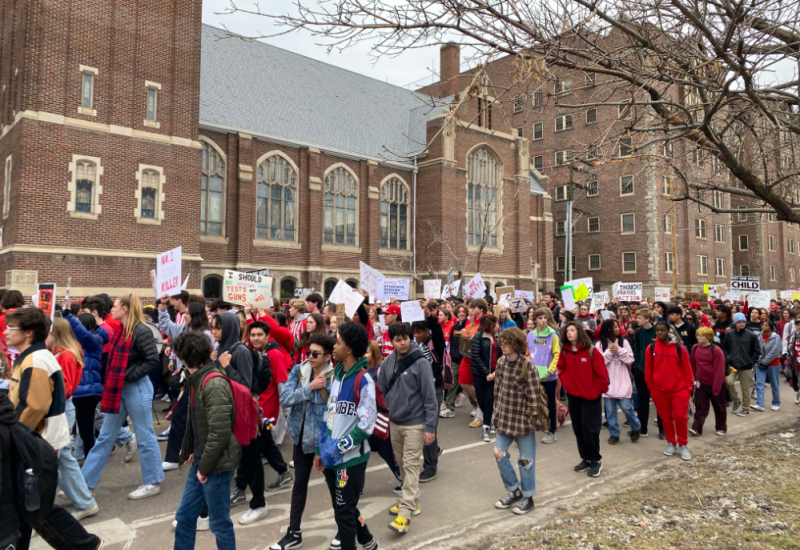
[60, 530]
[550, 390]
[431, 452]
[84, 420]
[251, 473]
[303, 464]
[644, 402]
[177, 428]
[345, 485]
[270, 451]
[587, 416]
[484, 393]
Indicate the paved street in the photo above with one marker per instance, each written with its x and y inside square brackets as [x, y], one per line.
[456, 507]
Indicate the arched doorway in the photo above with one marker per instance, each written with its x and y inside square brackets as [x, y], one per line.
[212, 287]
[330, 284]
[287, 289]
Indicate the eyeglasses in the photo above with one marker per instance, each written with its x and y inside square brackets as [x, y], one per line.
[315, 354]
[12, 328]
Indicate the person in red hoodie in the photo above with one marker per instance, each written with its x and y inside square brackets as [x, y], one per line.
[584, 376]
[669, 377]
[708, 366]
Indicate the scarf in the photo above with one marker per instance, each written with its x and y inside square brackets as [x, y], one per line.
[115, 372]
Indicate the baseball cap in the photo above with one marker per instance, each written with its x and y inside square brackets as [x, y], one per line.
[694, 305]
[393, 309]
[739, 317]
[568, 314]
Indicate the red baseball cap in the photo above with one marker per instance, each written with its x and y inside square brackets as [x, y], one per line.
[393, 309]
[694, 305]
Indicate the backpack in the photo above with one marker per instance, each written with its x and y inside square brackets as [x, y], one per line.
[447, 366]
[245, 426]
[678, 346]
[262, 373]
[381, 427]
[29, 451]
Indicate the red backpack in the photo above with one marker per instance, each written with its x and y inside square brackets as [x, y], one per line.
[381, 427]
[245, 406]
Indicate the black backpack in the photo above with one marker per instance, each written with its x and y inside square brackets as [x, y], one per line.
[29, 451]
[262, 373]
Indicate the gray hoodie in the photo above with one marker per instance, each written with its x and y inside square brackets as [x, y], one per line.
[771, 349]
[241, 368]
[411, 400]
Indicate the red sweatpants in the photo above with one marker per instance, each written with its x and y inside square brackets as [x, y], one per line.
[673, 408]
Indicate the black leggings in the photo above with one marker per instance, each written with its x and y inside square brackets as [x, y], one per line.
[84, 420]
[550, 390]
[484, 392]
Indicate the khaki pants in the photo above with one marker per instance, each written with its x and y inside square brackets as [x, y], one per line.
[744, 380]
[407, 443]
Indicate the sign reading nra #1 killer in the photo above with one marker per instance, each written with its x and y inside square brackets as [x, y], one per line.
[746, 284]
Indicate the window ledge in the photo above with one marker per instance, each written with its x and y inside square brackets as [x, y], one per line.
[87, 111]
[218, 239]
[340, 248]
[151, 124]
[486, 250]
[148, 221]
[84, 215]
[394, 252]
[277, 244]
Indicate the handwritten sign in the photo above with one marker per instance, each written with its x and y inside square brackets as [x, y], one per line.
[46, 300]
[568, 297]
[340, 292]
[451, 289]
[662, 293]
[517, 305]
[411, 311]
[759, 299]
[264, 272]
[576, 284]
[369, 278]
[352, 300]
[450, 276]
[392, 288]
[302, 292]
[168, 272]
[599, 301]
[475, 288]
[526, 294]
[433, 288]
[629, 292]
[242, 288]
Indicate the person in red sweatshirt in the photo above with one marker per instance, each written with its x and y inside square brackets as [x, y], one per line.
[708, 366]
[669, 377]
[584, 376]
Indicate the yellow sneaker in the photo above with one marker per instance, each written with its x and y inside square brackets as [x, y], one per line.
[476, 423]
[394, 510]
[400, 525]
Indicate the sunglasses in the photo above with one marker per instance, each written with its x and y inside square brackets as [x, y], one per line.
[315, 354]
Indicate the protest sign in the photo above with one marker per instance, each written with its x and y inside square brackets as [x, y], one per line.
[663, 293]
[503, 299]
[576, 284]
[352, 300]
[433, 288]
[568, 297]
[606, 315]
[46, 300]
[242, 288]
[475, 288]
[700, 297]
[168, 272]
[450, 276]
[758, 299]
[185, 282]
[392, 288]
[264, 272]
[629, 292]
[369, 278]
[599, 301]
[382, 322]
[451, 289]
[786, 294]
[66, 294]
[526, 294]
[411, 311]
[582, 292]
[746, 284]
[504, 290]
[153, 282]
[517, 305]
[339, 292]
[795, 296]
[732, 296]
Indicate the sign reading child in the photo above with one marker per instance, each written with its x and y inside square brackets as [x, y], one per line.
[168, 272]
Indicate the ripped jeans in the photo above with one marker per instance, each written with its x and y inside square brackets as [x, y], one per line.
[526, 463]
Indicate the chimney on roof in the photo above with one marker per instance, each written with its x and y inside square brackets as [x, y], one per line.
[449, 68]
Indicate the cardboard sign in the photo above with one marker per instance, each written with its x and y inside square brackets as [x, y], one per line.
[629, 292]
[392, 288]
[504, 290]
[242, 288]
[582, 292]
[526, 294]
[475, 288]
[46, 300]
[699, 297]
[759, 299]
[795, 296]
[304, 291]
[433, 288]
[746, 284]
[599, 301]
[517, 305]
[663, 293]
[168, 272]
[568, 297]
[382, 322]
[411, 311]
[369, 278]
[786, 294]
[606, 315]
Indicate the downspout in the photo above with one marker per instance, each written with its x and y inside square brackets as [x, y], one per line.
[414, 229]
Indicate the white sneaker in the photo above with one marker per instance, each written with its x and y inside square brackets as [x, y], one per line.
[291, 464]
[474, 411]
[776, 407]
[202, 524]
[720, 432]
[144, 491]
[80, 514]
[758, 408]
[797, 398]
[167, 466]
[684, 450]
[253, 515]
[549, 438]
[130, 449]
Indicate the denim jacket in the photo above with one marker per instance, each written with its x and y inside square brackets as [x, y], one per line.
[305, 403]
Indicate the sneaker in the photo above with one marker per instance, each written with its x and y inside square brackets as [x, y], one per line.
[642, 433]
[165, 399]
[583, 466]
[549, 438]
[758, 408]
[447, 413]
[485, 437]
[595, 469]
[284, 479]
[291, 464]
[736, 405]
[685, 455]
[525, 505]
[443, 406]
[145, 491]
[400, 525]
[743, 412]
[167, 466]
[238, 497]
[474, 412]
[425, 477]
[130, 449]
[203, 524]
[253, 515]
[394, 510]
[797, 398]
[693, 432]
[163, 436]
[613, 440]
[90, 511]
[335, 544]
[399, 489]
[492, 430]
[292, 539]
[604, 425]
[661, 435]
[634, 436]
[476, 423]
[720, 432]
[670, 450]
[508, 500]
[776, 407]
[459, 400]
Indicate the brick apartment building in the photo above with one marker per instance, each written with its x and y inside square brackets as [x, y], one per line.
[127, 129]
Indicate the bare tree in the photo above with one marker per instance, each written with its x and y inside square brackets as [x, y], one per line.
[709, 83]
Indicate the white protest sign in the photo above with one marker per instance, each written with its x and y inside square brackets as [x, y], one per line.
[185, 282]
[568, 297]
[392, 288]
[517, 305]
[599, 301]
[433, 288]
[663, 293]
[504, 299]
[732, 296]
[759, 299]
[451, 289]
[352, 300]
[606, 315]
[475, 288]
[629, 292]
[340, 292]
[168, 272]
[786, 294]
[382, 322]
[411, 311]
[369, 278]
[242, 288]
[583, 293]
[153, 282]
[66, 294]
[526, 294]
[746, 284]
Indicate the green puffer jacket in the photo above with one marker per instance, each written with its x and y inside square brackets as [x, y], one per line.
[215, 415]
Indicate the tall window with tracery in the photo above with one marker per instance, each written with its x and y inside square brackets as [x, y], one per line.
[276, 199]
[212, 202]
[483, 181]
[84, 183]
[394, 215]
[149, 193]
[340, 218]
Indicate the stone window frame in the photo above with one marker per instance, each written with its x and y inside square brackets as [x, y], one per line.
[746, 242]
[720, 268]
[404, 184]
[9, 166]
[622, 185]
[160, 195]
[498, 186]
[222, 238]
[701, 263]
[541, 131]
[566, 123]
[772, 243]
[357, 240]
[280, 243]
[700, 229]
[635, 263]
[93, 72]
[589, 224]
[669, 262]
[156, 88]
[97, 188]
[773, 273]
[599, 262]
[622, 223]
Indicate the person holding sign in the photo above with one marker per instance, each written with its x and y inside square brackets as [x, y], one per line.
[544, 346]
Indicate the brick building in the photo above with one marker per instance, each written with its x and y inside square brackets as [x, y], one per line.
[127, 129]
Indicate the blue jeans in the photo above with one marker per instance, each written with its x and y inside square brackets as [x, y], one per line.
[216, 493]
[69, 473]
[136, 402]
[123, 436]
[527, 471]
[771, 374]
[611, 414]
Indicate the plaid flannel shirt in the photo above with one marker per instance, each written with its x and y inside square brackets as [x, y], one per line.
[517, 403]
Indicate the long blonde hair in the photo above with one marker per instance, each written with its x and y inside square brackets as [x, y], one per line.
[135, 314]
[65, 339]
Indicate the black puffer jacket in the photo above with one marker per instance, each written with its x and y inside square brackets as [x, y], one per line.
[482, 347]
[742, 348]
[143, 356]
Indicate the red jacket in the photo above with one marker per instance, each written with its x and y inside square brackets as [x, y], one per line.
[279, 334]
[583, 373]
[71, 368]
[664, 372]
[111, 326]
